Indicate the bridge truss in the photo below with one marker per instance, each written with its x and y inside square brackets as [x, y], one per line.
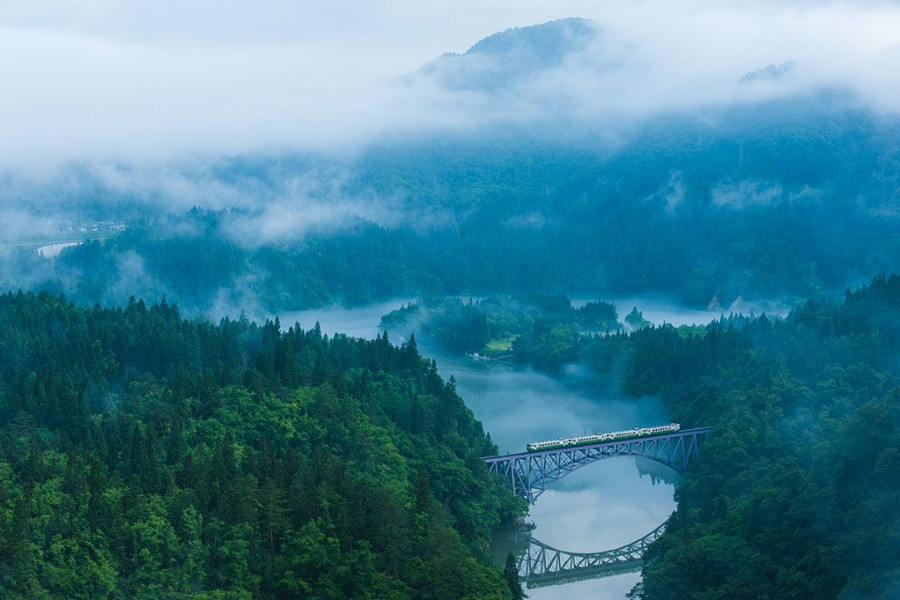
[531, 473]
[542, 565]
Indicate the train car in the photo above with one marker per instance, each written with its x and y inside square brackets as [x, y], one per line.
[597, 438]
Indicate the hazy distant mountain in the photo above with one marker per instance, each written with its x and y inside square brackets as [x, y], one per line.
[554, 163]
[771, 72]
[510, 57]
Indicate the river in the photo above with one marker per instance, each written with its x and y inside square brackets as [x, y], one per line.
[600, 507]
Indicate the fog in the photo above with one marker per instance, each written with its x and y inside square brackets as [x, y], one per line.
[100, 80]
[116, 108]
[115, 111]
[362, 321]
[661, 310]
[600, 507]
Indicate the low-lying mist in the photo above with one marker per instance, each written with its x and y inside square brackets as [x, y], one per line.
[573, 155]
[747, 204]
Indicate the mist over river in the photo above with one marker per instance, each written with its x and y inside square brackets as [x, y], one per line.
[603, 506]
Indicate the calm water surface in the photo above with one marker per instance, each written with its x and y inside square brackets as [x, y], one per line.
[603, 506]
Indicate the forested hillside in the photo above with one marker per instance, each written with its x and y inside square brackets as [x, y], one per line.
[795, 494]
[174, 174]
[779, 200]
[542, 331]
[143, 455]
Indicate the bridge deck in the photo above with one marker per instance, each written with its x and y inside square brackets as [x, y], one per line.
[531, 473]
[514, 455]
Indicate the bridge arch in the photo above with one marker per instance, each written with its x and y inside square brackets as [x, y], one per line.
[531, 473]
[542, 565]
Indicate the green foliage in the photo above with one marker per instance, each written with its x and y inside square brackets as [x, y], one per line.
[670, 208]
[636, 320]
[142, 455]
[600, 315]
[795, 494]
[544, 331]
[511, 575]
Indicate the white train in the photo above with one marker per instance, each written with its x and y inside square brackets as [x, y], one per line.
[602, 437]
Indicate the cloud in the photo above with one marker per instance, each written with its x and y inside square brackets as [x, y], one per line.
[97, 80]
[133, 275]
[746, 193]
[142, 104]
[653, 58]
[21, 226]
[290, 221]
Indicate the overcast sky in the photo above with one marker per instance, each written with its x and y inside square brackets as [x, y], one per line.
[102, 79]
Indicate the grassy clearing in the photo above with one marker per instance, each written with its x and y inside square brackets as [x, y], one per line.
[499, 346]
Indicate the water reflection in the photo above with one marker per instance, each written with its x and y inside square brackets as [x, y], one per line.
[542, 565]
[361, 321]
[603, 506]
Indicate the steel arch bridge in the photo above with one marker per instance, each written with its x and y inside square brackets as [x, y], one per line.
[542, 565]
[530, 474]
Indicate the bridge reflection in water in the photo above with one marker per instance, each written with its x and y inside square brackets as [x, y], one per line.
[529, 474]
[541, 565]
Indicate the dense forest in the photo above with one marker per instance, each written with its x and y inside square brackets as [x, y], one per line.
[782, 200]
[542, 331]
[795, 494]
[148, 454]
[145, 455]
[160, 439]
[182, 458]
